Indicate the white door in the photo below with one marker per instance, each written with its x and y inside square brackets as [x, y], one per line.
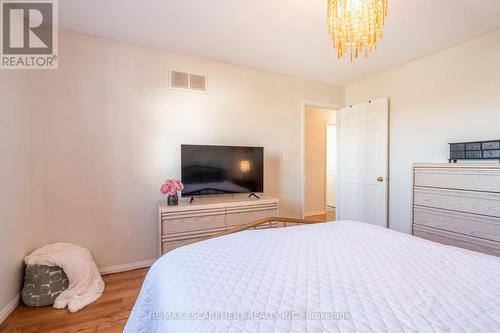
[363, 162]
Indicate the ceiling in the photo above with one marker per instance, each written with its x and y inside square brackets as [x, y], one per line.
[283, 36]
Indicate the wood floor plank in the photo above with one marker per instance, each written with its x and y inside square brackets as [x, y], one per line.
[108, 314]
[328, 216]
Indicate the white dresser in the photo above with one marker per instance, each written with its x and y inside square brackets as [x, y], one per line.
[458, 204]
[188, 223]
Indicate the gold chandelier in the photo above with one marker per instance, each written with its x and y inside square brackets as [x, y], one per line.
[356, 25]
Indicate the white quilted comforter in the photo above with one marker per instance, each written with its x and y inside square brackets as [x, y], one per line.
[332, 277]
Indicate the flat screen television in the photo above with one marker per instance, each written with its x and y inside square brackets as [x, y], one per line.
[208, 170]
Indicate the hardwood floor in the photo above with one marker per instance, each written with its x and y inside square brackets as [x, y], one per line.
[328, 216]
[108, 314]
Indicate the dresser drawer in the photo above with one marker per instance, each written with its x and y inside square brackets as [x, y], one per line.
[473, 146]
[458, 240]
[238, 218]
[170, 245]
[491, 145]
[491, 154]
[455, 178]
[457, 154]
[457, 146]
[193, 224]
[462, 201]
[474, 154]
[463, 223]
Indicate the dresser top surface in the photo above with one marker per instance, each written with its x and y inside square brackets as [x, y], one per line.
[217, 202]
[458, 165]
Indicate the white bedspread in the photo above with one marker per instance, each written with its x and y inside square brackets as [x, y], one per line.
[332, 277]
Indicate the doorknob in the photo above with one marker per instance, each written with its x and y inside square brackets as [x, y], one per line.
[380, 179]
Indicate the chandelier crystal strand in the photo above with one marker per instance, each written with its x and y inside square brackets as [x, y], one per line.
[356, 25]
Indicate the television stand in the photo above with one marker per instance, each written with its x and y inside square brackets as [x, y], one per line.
[253, 195]
[187, 223]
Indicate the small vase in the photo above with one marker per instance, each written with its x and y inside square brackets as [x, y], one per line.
[172, 200]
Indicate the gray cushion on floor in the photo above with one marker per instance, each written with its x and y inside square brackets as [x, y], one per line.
[42, 284]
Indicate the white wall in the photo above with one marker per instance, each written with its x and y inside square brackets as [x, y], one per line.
[315, 163]
[16, 229]
[107, 132]
[451, 96]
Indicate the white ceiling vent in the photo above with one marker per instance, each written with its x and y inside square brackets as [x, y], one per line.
[179, 80]
[188, 81]
[197, 82]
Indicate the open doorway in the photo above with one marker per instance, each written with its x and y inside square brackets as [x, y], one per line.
[320, 163]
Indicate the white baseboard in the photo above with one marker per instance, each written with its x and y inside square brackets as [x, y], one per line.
[127, 267]
[5, 312]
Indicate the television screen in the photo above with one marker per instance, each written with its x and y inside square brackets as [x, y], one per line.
[221, 169]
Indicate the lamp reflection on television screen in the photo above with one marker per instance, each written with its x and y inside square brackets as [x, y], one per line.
[245, 166]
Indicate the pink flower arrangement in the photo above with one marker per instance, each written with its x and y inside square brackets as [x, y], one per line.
[171, 187]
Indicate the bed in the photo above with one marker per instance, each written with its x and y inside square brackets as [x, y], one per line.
[342, 276]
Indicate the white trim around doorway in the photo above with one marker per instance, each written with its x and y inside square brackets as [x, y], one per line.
[303, 105]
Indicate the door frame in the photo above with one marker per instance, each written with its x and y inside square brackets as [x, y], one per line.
[303, 105]
[327, 124]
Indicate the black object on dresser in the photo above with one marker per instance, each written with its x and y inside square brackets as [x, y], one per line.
[478, 150]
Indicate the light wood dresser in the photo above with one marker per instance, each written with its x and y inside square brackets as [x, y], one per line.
[458, 204]
[188, 223]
